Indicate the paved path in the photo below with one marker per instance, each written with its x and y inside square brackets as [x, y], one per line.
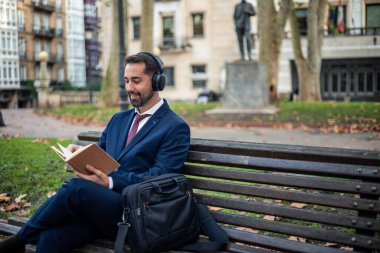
[23, 122]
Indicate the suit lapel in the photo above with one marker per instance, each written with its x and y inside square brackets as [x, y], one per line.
[152, 122]
[124, 133]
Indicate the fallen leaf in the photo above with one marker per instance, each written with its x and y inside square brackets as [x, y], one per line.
[297, 239]
[19, 198]
[4, 197]
[269, 217]
[22, 212]
[51, 193]
[214, 208]
[41, 140]
[12, 206]
[298, 205]
[248, 230]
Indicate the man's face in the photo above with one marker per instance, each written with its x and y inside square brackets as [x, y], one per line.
[138, 84]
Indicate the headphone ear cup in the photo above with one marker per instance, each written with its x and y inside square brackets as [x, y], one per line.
[158, 82]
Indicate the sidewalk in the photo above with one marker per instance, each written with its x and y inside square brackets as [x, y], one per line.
[25, 123]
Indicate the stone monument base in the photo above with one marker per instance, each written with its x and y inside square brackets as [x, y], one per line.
[246, 86]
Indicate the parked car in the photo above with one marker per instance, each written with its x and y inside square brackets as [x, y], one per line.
[207, 96]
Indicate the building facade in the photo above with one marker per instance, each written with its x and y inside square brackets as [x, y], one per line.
[92, 45]
[75, 41]
[350, 53]
[9, 60]
[196, 39]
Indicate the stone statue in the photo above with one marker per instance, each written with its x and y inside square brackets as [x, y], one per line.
[242, 19]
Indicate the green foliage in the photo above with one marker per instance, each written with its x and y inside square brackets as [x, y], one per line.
[320, 113]
[310, 113]
[29, 166]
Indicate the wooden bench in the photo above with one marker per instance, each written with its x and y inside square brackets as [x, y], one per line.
[284, 198]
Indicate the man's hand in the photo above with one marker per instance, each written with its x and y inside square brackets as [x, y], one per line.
[97, 176]
[74, 147]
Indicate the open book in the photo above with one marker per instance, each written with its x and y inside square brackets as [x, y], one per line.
[91, 154]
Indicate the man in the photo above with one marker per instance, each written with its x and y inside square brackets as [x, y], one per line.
[89, 207]
[242, 14]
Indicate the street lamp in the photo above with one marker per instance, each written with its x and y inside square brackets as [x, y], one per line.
[123, 102]
[88, 34]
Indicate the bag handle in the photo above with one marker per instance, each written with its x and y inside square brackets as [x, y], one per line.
[159, 189]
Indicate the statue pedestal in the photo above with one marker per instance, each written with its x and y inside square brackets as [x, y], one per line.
[246, 86]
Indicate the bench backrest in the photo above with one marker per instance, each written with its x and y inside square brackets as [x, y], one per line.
[286, 197]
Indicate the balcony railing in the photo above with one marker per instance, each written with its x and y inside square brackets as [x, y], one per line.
[44, 32]
[93, 45]
[43, 6]
[169, 43]
[356, 31]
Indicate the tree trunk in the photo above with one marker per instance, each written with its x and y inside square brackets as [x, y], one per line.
[147, 25]
[309, 68]
[271, 30]
[110, 84]
[1, 120]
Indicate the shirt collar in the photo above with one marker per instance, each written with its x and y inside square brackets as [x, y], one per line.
[152, 110]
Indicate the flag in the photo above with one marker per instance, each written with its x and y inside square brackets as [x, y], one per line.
[340, 18]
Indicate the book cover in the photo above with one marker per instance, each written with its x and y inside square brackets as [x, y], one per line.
[91, 154]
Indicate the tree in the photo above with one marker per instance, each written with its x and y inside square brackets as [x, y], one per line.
[271, 25]
[309, 67]
[110, 83]
[147, 25]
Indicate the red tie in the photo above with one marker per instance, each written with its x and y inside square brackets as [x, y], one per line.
[135, 126]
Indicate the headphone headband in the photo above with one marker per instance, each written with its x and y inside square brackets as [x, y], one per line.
[156, 59]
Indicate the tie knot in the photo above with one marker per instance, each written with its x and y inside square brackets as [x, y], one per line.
[140, 117]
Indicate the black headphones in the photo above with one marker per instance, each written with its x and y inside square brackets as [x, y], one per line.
[158, 78]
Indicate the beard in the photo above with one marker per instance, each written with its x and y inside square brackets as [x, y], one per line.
[140, 100]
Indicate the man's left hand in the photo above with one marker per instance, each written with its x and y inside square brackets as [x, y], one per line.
[97, 176]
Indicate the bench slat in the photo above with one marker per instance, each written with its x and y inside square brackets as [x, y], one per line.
[282, 165]
[295, 213]
[284, 151]
[279, 243]
[285, 180]
[295, 196]
[298, 230]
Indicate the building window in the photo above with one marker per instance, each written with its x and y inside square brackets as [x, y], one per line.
[169, 74]
[168, 31]
[58, 5]
[373, 18]
[333, 19]
[199, 76]
[136, 27]
[23, 72]
[59, 24]
[20, 20]
[21, 47]
[36, 19]
[198, 25]
[301, 15]
[61, 75]
[45, 22]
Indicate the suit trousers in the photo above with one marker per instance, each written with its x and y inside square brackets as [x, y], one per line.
[244, 32]
[80, 212]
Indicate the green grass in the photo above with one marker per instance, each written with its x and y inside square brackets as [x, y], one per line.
[31, 168]
[309, 113]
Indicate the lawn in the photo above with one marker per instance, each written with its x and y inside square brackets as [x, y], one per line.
[338, 116]
[29, 172]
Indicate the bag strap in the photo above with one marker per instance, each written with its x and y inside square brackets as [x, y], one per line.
[218, 238]
[122, 232]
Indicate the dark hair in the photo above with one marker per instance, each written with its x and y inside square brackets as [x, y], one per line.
[151, 66]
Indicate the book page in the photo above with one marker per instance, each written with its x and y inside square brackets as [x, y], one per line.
[65, 151]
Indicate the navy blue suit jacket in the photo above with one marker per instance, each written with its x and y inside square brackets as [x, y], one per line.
[159, 147]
